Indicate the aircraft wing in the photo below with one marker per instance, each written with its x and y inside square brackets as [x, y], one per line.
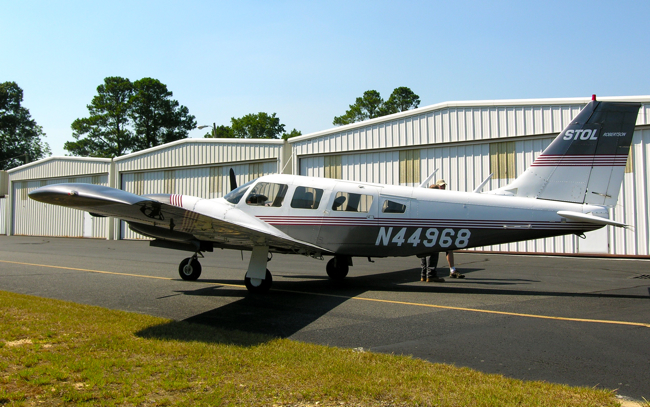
[167, 217]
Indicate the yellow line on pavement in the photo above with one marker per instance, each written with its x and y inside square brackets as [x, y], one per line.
[484, 311]
[86, 270]
[415, 304]
[111, 272]
[516, 314]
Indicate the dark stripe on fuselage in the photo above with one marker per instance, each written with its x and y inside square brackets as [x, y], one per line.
[409, 237]
[603, 160]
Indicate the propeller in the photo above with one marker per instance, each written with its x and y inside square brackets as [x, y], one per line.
[233, 180]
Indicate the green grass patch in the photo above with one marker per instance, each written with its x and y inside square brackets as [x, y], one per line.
[54, 352]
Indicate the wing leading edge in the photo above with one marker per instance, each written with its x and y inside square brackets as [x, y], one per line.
[225, 226]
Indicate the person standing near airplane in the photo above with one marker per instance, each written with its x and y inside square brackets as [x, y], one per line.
[429, 273]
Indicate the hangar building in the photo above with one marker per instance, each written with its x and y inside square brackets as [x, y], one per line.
[464, 141]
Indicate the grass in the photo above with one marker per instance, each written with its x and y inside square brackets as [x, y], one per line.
[54, 352]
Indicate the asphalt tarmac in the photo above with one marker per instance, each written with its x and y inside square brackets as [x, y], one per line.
[577, 321]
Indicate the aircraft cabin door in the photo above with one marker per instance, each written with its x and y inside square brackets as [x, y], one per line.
[351, 211]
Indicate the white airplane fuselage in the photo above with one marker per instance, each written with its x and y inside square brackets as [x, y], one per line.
[429, 221]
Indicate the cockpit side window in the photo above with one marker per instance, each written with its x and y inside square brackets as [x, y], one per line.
[267, 194]
[350, 202]
[306, 198]
[393, 207]
[235, 195]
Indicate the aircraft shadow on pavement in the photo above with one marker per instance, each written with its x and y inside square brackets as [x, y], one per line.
[291, 306]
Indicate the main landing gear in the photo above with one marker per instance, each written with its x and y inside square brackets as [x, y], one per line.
[190, 268]
[258, 278]
[337, 268]
[258, 286]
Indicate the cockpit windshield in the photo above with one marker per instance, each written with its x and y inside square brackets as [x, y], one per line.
[235, 195]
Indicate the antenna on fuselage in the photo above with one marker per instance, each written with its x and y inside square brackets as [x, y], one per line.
[478, 188]
[426, 181]
[233, 180]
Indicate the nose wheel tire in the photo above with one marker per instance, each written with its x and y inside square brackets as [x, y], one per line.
[337, 269]
[258, 286]
[189, 269]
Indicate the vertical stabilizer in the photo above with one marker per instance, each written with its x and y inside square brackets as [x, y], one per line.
[586, 162]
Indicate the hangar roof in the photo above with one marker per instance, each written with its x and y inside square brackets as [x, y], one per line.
[644, 114]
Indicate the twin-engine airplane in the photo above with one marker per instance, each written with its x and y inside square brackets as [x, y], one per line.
[567, 189]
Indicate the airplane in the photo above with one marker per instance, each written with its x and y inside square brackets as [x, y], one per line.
[567, 190]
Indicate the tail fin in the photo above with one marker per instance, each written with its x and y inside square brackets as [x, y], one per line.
[586, 162]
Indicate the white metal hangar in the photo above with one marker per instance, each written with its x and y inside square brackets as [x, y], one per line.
[463, 141]
[27, 217]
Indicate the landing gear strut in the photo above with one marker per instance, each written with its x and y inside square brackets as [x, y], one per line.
[258, 279]
[337, 268]
[190, 268]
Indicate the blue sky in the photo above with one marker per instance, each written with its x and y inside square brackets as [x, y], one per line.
[307, 61]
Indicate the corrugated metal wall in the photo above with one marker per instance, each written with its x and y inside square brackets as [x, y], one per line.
[200, 152]
[634, 202]
[3, 217]
[55, 167]
[451, 123]
[34, 218]
[205, 182]
[448, 125]
[28, 217]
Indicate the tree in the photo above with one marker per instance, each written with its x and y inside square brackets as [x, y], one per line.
[220, 132]
[259, 125]
[366, 107]
[20, 136]
[401, 100]
[107, 133]
[293, 133]
[157, 119]
[129, 116]
[371, 105]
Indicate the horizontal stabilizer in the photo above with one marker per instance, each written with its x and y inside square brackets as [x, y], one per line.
[584, 217]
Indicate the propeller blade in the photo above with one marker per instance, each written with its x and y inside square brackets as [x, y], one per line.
[233, 180]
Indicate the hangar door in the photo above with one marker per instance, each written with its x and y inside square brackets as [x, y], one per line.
[204, 182]
[32, 218]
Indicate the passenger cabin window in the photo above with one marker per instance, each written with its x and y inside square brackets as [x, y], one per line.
[349, 202]
[393, 207]
[267, 194]
[306, 198]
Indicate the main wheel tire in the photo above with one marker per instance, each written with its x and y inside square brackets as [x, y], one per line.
[257, 286]
[337, 268]
[189, 269]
